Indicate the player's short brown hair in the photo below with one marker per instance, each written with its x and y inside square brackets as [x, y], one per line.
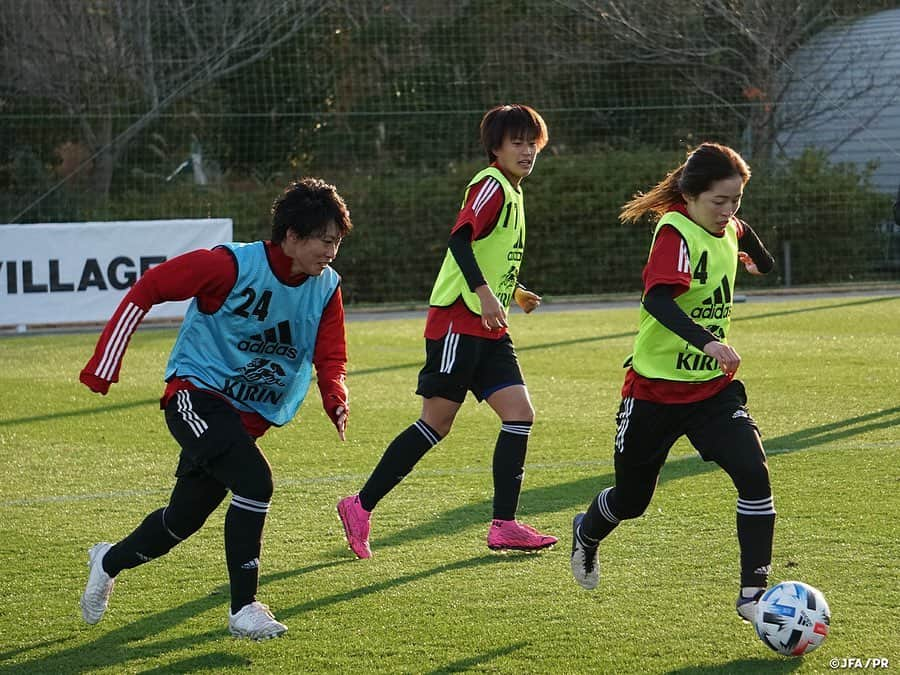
[514, 120]
[306, 207]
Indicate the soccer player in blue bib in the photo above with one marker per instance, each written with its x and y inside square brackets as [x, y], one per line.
[263, 315]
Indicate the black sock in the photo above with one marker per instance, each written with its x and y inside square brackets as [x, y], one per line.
[151, 539]
[244, 522]
[509, 468]
[397, 461]
[755, 531]
[600, 519]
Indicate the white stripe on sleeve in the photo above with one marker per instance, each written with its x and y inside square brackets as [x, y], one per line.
[118, 340]
[490, 186]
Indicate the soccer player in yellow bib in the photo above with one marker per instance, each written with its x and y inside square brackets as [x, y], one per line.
[467, 347]
[680, 378]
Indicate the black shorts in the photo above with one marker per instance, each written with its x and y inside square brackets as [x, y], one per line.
[213, 441]
[645, 431]
[460, 363]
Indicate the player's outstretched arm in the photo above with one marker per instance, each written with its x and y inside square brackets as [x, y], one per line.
[206, 275]
[103, 367]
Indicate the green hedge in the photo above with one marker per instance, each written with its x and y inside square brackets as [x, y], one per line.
[576, 244]
[828, 213]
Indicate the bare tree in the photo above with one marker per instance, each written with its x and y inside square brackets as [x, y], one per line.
[115, 65]
[720, 46]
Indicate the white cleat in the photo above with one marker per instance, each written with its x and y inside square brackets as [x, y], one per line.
[585, 560]
[254, 621]
[747, 607]
[95, 598]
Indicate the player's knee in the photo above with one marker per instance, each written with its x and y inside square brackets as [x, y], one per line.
[527, 414]
[517, 408]
[181, 523]
[632, 512]
[441, 426]
[521, 409]
[441, 421]
[256, 482]
[628, 509]
[753, 482]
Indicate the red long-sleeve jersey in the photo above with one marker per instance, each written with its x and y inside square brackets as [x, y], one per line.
[209, 276]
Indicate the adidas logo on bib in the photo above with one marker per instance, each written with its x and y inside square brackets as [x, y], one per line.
[717, 305]
[271, 341]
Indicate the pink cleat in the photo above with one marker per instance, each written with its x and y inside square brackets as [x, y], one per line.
[511, 535]
[355, 520]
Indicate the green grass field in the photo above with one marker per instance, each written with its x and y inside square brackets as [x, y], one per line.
[823, 378]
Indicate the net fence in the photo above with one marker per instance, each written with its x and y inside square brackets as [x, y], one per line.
[132, 109]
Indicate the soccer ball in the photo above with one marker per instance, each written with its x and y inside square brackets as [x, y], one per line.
[793, 618]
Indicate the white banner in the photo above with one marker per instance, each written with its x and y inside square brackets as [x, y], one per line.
[60, 273]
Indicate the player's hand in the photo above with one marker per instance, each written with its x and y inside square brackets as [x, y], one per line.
[493, 315]
[727, 358]
[341, 414]
[748, 263]
[527, 300]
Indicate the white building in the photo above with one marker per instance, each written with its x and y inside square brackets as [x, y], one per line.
[842, 96]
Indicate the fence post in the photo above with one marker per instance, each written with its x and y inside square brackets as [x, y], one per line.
[786, 255]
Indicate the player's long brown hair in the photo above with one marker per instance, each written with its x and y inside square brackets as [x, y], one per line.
[706, 164]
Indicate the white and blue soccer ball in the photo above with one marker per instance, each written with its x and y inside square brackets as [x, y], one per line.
[793, 618]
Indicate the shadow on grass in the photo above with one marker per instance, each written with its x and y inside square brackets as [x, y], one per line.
[93, 410]
[395, 582]
[127, 643]
[805, 310]
[418, 364]
[748, 666]
[576, 495]
[203, 663]
[825, 433]
[473, 662]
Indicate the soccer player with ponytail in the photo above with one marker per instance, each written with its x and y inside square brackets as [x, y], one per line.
[680, 377]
